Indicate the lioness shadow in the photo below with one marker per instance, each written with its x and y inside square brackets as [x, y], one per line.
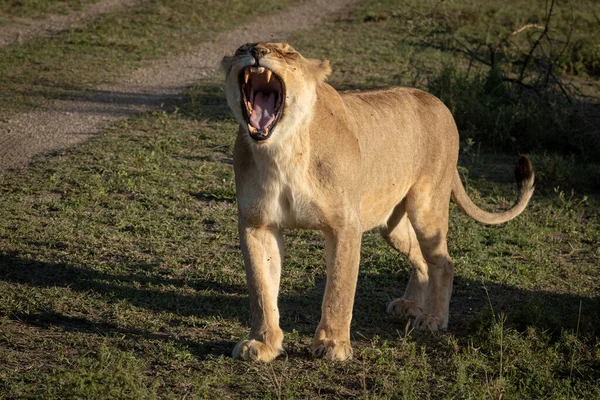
[300, 311]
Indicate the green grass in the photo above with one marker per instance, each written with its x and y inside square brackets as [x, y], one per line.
[121, 274]
[39, 8]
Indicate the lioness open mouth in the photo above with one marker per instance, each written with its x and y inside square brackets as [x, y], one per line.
[262, 100]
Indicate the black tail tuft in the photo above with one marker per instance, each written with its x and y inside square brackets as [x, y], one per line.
[523, 171]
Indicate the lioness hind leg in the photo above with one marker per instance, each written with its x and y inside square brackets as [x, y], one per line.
[428, 214]
[263, 251]
[400, 234]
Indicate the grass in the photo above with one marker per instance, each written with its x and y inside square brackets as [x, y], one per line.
[121, 275]
[39, 8]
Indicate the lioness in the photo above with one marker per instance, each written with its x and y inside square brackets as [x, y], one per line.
[309, 157]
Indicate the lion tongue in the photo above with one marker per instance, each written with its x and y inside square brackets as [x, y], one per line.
[263, 110]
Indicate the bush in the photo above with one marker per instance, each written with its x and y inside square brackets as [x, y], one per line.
[502, 114]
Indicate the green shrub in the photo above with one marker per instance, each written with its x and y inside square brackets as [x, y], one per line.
[507, 116]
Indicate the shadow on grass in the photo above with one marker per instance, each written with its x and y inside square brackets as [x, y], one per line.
[80, 325]
[210, 299]
[300, 311]
[215, 195]
[92, 101]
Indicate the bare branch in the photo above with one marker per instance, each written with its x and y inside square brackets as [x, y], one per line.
[456, 50]
[516, 32]
[524, 28]
[562, 88]
[521, 83]
[539, 39]
[466, 50]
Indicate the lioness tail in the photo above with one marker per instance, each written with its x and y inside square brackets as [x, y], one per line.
[525, 179]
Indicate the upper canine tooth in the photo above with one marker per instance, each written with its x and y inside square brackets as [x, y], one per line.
[246, 76]
[269, 73]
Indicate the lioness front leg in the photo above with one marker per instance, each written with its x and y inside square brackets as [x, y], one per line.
[332, 337]
[263, 251]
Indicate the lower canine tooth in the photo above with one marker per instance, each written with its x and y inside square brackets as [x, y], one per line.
[251, 128]
[266, 131]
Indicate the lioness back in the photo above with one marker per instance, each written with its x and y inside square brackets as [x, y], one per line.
[415, 131]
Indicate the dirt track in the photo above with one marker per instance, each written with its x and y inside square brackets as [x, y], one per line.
[62, 123]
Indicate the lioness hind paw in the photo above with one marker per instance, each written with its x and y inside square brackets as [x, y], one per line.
[403, 307]
[333, 350]
[430, 322]
[255, 350]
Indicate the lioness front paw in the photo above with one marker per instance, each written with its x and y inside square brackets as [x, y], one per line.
[430, 322]
[256, 351]
[403, 307]
[333, 350]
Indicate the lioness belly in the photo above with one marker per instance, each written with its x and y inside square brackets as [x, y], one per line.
[377, 206]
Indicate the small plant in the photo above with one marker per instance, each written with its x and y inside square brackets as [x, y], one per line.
[568, 202]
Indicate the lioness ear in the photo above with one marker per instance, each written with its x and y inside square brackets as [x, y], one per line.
[226, 63]
[320, 68]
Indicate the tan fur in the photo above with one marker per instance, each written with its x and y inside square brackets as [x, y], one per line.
[345, 164]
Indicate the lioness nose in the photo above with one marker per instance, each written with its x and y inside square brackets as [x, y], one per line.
[258, 52]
